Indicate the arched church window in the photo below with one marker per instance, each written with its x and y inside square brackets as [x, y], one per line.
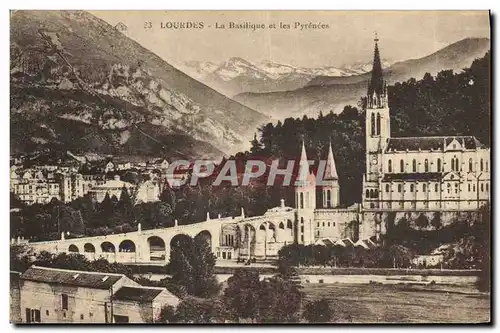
[453, 164]
[457, 164]
[328, 198]
[301, 200]
[389, 166]
[414, 165]
[426, 165]
[470, 164]
[400, 188]
[481, 166]
[401, 166]
[424, 187]
[486, 166]
[387, 187]
[439, 165]
[436, 188]
[412, 187]
[373, 124]
[378, 123]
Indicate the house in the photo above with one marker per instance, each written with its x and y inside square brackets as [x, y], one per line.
[148, 191]
[123, 166]
[52, 295]
[112, 187]
[140, 304]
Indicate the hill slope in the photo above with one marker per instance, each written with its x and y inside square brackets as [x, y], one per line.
[332, 93]
[72, 65]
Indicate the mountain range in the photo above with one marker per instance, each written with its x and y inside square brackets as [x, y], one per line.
[79, 84]
[237, 75]
[327, 92]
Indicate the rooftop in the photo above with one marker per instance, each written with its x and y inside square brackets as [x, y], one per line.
[431, 143]
[137, 294]
[95, 280]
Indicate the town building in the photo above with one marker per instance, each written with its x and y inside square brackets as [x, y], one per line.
[112, 187]
[51, 295]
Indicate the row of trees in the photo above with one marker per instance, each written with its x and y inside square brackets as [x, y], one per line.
[395, 256]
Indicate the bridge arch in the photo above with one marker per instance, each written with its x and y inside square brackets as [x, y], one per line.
[271, 234]
[260, 235]
[157, 248]
[179, 240]
[88, 247]
[206, 236]
[108, 247]
[126, 246]
[73, 248]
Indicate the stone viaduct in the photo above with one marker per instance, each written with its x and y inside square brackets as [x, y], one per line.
[229, 238]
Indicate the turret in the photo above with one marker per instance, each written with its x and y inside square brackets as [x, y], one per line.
[330, 185]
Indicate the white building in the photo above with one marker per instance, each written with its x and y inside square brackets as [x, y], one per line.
[112, 187]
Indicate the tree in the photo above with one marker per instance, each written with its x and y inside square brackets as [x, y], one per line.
[318, 311]
[241, 296]
[279, 301]
[192, 266]
[197, 311]
[484, 278]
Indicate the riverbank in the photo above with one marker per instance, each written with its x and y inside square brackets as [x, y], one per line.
[269, 270]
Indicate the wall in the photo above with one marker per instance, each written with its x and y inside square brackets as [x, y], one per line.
[81, 301]
[136, 312]
[15, 298]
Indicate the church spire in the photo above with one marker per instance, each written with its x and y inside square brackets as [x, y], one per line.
[331, 169]
[303, 164]
[377, 80]
[303, 155]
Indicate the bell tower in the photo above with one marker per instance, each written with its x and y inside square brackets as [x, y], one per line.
[378, 130]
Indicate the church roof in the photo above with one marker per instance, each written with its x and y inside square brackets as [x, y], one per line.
[411, 176]
[431, 143]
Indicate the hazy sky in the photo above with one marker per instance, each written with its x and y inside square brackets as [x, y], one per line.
[349, 38]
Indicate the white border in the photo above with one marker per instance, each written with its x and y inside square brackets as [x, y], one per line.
[213, 5]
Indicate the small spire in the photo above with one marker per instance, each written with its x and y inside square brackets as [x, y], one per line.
[303, 154]
[331, 169]
[303, 164]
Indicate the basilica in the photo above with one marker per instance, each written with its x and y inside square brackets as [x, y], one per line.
[406, 177]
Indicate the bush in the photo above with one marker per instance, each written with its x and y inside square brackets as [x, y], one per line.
[318, 311]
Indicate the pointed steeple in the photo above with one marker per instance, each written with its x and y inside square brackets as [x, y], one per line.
[303, 164]
[331, 169]
[377, 80]
[303, 155]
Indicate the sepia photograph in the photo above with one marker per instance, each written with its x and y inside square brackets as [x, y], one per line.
[250, 167]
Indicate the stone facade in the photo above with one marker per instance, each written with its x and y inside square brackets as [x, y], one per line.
[49, 295]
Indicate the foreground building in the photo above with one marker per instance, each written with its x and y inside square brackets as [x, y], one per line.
[50, 295]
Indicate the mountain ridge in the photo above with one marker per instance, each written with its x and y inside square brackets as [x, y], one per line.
[325, 93]
[132, 84]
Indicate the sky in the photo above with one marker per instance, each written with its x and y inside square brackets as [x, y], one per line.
[346, 39]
